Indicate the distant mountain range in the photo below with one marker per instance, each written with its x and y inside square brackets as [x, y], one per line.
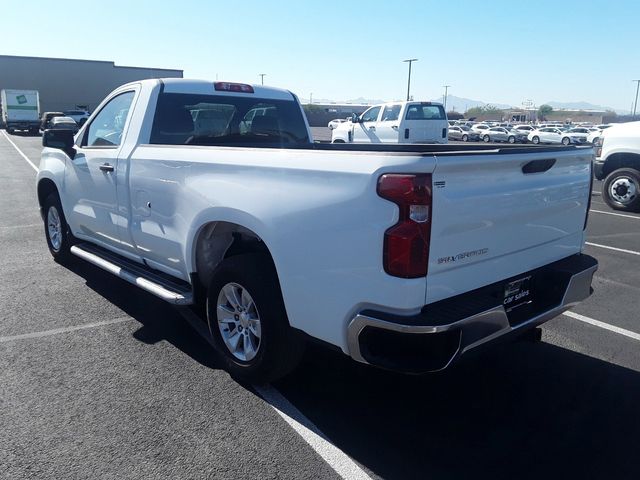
[461, 104]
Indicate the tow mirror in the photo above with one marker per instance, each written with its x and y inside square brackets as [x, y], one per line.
[61, 139]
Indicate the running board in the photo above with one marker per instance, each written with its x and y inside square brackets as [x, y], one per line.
[153, 282]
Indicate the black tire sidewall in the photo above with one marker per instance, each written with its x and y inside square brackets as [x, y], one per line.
[255, 273]
[634, 206]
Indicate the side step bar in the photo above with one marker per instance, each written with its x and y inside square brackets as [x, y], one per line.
[138, 275]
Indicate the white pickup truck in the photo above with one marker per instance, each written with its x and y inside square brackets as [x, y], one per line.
[396, 122]
[618, 164]
[401, 256]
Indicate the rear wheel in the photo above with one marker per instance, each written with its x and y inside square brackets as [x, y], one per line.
[486, 139]
[536, 140]
[338, 141]
[621, 190]
[566, 141]
[511, 139]
[248, 321]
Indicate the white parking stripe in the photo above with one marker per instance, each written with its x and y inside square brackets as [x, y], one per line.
[335, 458]
[615, 214]
[612, 248]
[56, 331]
[606, 326]
[19, 151]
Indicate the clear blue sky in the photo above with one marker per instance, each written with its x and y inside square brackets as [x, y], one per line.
[491, 50]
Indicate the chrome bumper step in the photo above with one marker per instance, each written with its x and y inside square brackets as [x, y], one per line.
[156, 283]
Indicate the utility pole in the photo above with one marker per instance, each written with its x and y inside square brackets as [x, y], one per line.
[635, 105]
[446, 94]
[311, 98]
[262, 78]
[410, 61]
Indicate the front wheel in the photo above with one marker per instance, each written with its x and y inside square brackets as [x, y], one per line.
[512, 139]
[566, 141]
[486, 139]
[248, 321]
[465, 138]
[56, 229]
[535, 140]
[621, 190]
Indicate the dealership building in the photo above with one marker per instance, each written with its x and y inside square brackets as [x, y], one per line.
[66, 84]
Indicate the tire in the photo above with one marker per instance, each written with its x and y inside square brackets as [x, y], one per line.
[10, 131]
[338, 141]
[465, 138]
[511, 139]
[56, 229]
[535, 140]
[621, 190]
[595, 140]
[486, 139]
[245, 307]
[566, 141]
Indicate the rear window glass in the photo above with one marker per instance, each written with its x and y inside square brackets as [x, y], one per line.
[425, 112]
[194, 119]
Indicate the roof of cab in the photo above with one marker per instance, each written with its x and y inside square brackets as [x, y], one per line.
[185, 85]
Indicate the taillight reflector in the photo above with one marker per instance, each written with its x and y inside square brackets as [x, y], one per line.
[406, 244]
[233, 87]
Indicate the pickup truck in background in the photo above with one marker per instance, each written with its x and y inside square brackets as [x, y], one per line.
[397, 122]
[404, 257]
[20, 110]
[618, 164]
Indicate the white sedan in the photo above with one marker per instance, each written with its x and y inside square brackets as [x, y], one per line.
[549, 135]
[334, 123]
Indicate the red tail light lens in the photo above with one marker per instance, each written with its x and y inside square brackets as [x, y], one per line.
[233, 87]
[406, 244]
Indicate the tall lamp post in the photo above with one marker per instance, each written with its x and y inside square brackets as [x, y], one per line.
[410, 61]
[635, 105]
[446, 94]
[262, 78]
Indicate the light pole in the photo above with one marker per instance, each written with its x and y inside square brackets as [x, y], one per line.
[262, 78]
[635, 105]
[446, 94]
[311, 98]
[410, 61]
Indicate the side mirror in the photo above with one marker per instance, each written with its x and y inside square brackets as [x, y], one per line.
[61, 139]
[355, 118]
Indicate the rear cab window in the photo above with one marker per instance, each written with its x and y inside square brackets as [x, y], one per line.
[423, 111]
[227, 120]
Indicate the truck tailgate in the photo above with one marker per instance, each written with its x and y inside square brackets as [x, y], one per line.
[496, 215]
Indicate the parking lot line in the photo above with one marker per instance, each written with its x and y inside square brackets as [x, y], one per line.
[19, 151]
[56, 331]
[623, 250]
[615, 214]
[606, 326]
[335, 458]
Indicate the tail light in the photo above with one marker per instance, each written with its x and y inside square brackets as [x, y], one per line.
[406, 244]
[233, 87]
[598, 146]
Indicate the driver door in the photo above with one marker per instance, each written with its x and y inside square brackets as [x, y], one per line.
[365, 130]
[90, 178]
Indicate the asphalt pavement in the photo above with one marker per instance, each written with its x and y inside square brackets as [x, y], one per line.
[101, 380]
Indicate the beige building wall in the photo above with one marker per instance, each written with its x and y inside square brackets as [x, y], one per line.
[65, 83]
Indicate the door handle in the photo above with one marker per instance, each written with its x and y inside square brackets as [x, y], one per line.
[395, 127]
[372, 128]
[106, 167]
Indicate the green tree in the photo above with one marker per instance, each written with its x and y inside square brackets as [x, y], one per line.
[544, 110]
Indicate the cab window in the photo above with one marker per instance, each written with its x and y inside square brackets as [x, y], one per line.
[391, 113]
[371, 115]
[106, 128]
[425, 112]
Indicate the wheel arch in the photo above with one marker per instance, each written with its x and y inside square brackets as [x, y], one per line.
[616, 161]
[46, 187]
[216, 240]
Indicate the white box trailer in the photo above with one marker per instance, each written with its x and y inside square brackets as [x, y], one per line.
[20, 110]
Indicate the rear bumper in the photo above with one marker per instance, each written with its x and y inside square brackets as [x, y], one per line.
[444, 331]
[24, 124]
